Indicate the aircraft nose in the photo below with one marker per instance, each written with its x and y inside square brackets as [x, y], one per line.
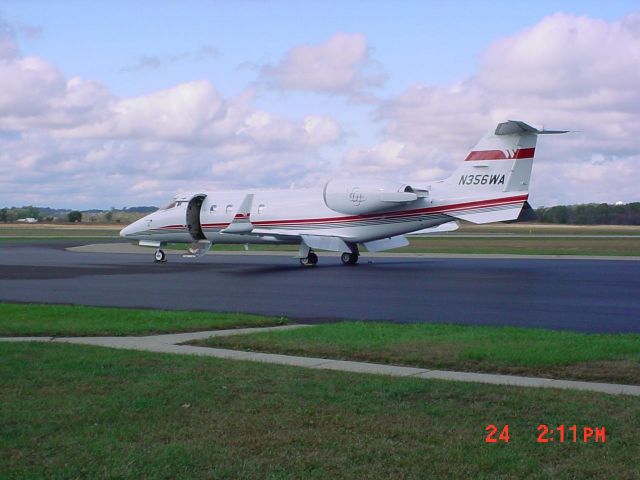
[131, 230]
[126, 231]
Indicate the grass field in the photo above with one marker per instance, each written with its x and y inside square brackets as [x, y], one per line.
[525, 245]
[524, 239]
[69, 411]
[70, 320]
[45, 230]
[509, 350]
[519, 351]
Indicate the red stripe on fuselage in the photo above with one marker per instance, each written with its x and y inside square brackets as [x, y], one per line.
[396, 214]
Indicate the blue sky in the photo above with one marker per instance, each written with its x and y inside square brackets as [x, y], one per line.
[433, 52]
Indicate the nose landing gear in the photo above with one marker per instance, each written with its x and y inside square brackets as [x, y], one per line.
[160, 256]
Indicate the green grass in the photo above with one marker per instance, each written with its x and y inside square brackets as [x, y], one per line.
[70, 320]
[509, 350]
[49, 231]
[526, 239]
[530, 245]
[517, 245]
[69, 411]
[52, 239]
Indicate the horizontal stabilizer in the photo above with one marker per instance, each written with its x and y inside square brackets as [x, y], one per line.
[241, 222]
[386, 243]
[512, 127]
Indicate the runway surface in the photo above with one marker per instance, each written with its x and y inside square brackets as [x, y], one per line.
[581, 295]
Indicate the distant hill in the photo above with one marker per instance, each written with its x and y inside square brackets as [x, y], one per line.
[140, 209]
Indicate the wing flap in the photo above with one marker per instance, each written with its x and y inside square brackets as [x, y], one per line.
[386, 243]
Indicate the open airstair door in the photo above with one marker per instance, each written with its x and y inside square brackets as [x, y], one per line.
[200, 244]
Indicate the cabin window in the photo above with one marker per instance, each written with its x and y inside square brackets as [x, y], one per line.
[229, 208]
[260, 208]
[213, 208]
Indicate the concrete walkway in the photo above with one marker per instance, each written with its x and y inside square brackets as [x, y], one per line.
[171, 344]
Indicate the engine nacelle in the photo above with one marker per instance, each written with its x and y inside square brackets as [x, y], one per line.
[355, 197]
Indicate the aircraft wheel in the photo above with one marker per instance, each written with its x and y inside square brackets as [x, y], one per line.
[349, 258]
[160, 256]
[310, 260]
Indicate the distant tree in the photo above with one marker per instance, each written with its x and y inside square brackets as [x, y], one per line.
[4, 215]
[74, 216]
[31, 212]
[557, 214]
[108, 216]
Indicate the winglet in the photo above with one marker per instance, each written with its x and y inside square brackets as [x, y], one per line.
[241, 222]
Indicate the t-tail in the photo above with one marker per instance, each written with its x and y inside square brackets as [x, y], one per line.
[492, 184]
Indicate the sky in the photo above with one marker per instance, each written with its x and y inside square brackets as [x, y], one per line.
[115, 104]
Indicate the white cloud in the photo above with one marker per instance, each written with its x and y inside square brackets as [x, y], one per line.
[566, 72]
[341, 65]
[72, 139]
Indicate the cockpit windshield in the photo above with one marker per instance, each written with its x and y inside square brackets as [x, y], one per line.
[173, 204]
[170, 206]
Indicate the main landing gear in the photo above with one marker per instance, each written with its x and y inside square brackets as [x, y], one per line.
[310, 260]
[349, 258]
[160, 256]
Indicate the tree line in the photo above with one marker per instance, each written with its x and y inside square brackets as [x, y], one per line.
[591, 214]
[13, 214]
[49, 215]
[584, 214]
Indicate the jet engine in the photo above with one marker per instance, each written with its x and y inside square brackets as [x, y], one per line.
[355, 197]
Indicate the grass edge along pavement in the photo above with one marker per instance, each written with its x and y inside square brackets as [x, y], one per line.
[74, 320]
[523, 239]
[519, 351]
[625, 247]
[74, 411]
[613, 358]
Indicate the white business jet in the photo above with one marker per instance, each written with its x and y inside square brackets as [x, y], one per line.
[490, 185]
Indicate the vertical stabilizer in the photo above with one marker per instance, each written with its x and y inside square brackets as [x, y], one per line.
[497, 172]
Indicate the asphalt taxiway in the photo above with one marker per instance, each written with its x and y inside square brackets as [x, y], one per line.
[590, 295]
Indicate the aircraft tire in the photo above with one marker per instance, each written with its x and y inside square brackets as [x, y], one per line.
[310, 260]
[160, 256]
[349, 258]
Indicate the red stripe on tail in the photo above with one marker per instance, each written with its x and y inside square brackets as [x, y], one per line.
[500, 154]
